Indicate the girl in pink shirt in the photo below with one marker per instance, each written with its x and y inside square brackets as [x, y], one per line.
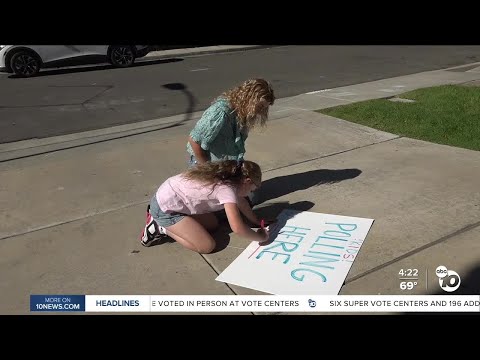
[183, 205]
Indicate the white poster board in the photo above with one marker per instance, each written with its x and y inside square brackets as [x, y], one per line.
[311, 254]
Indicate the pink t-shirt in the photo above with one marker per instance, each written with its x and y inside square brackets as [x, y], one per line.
[181, 195]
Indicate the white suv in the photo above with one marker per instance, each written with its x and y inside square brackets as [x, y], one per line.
[27, 60]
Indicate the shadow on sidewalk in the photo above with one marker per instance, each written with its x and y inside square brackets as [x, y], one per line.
[471, 283]
[191, 99]
[283, 185]
[271, 211]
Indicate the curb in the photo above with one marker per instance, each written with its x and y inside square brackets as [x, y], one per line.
[465, 67]
[33, 147]
[203, 50]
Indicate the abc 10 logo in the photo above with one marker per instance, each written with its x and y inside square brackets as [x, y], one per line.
[449, 280]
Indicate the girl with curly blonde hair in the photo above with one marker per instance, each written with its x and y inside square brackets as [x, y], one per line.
[183, 206]
[221, 132]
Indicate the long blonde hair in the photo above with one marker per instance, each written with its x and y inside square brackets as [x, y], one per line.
[245, 100]
[225, 172]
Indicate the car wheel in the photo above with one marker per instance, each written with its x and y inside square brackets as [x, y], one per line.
[25, 64]
[121, 56]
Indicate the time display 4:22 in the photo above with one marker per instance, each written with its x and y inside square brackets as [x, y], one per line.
[408, 272]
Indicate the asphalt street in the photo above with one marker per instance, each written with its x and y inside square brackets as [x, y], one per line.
[64, 101]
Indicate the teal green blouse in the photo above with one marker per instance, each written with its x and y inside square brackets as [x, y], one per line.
[218, 133]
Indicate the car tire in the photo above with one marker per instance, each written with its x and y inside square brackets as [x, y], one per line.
[25, 63]
[121, 55]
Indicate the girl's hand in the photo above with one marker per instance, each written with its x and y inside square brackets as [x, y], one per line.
[264, 233]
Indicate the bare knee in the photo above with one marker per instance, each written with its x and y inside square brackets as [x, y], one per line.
[190, 233]
[206, 248]
[202, 245]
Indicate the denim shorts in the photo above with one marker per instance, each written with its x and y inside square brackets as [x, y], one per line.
[162, 218]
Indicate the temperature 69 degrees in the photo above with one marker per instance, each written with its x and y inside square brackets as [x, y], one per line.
[408, 278]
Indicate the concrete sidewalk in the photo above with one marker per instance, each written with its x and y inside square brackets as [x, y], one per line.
[72, 214]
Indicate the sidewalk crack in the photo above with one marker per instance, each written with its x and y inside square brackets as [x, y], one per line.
[218, 273]
[415, 251]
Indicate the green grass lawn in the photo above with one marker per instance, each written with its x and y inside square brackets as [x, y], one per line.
[447, 114]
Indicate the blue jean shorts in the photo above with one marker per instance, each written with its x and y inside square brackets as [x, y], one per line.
[162, 218]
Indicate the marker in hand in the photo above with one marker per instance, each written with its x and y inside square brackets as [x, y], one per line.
[263, 227]
[264, 230]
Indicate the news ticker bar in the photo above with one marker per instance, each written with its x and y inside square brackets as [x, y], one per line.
[255, 303]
